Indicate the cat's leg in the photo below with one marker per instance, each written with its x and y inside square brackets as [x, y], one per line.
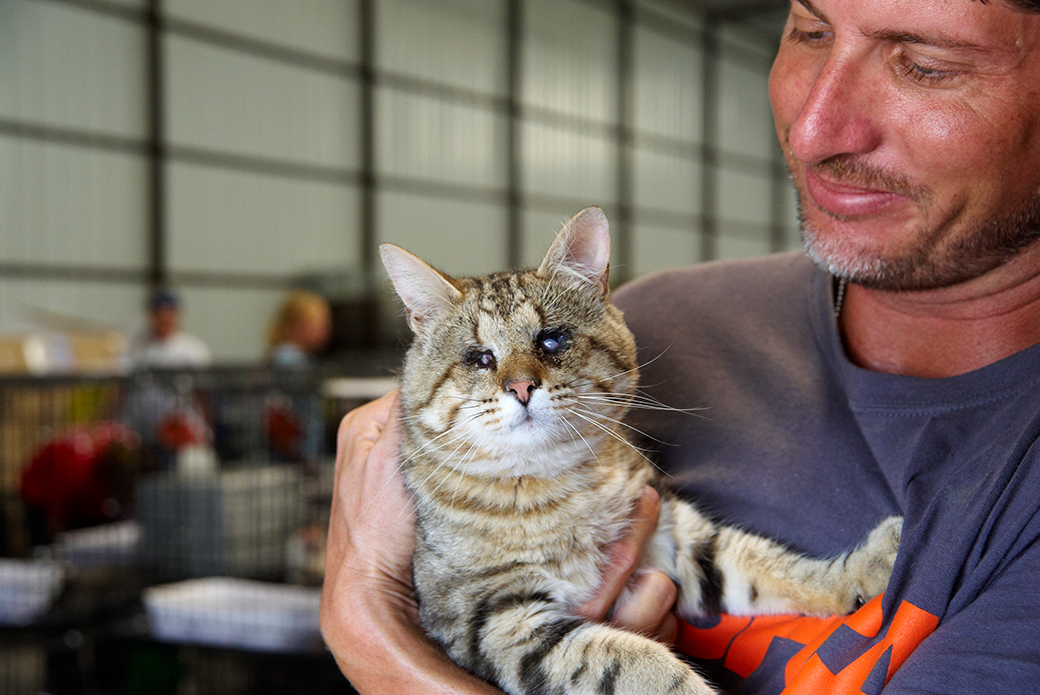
[738, 572]
[760, 576]
[533, 645]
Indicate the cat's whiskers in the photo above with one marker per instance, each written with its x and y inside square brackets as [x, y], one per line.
[419, 450]
[455, 428]
[454, 468]
[645, 401]
[471, 402]
[580, 436]
[637, 401]
[632, 428]
[471, 454]
[590, 417]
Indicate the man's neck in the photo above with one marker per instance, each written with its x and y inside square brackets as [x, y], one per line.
[949, 331]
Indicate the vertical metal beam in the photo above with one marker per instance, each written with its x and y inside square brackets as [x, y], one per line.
[622, 226]
[158, 273]
[514, 153]
[710, 139]
[778, 192]
[367, 212]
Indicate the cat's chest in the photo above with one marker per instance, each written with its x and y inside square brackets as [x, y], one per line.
[566, 533]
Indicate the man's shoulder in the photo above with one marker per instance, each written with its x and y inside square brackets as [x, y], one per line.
[741, 283]
[189, 346]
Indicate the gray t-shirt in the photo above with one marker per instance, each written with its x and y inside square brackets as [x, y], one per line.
[797, 443]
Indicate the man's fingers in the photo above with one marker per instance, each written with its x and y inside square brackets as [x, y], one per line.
[648, 608]
[623, 555]
[367, 422]
[371, 511]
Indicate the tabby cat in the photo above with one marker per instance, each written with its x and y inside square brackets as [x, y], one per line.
[513, 394]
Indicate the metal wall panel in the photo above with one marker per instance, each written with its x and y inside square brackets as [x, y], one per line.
[452, 42]
[560, 163]
[242, 314]
[570, 59]
[229, 102]
[667, 86]
[73, 206]
[456, 237]
[539, 230]
[745, 116]
[488, 129]
[119, 306]
[232, 222]
[667, 182]
[322, 27]
[733, 244]
[430, 138]
[65, 67]
[660, 248]
[745, 197]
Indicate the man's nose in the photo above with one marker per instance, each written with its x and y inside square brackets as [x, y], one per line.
[841, 113]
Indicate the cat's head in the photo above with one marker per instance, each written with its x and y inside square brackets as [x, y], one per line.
[517, 373]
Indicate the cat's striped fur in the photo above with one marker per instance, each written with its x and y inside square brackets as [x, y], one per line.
[513, 392]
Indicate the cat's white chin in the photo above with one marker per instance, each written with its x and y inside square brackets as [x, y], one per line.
[516, 440]
[537, 461]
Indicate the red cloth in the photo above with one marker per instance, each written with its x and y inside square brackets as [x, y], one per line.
[66, 479]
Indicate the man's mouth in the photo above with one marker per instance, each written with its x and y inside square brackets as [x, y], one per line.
[848, 200]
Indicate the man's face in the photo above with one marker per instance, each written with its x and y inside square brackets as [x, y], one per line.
[912, 130]
[166, 320]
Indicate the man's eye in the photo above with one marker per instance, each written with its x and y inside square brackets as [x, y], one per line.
[807, 37]
[553, 342]
[480, 358]
[924, 75]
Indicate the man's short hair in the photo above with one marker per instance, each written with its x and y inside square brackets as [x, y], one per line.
[163, 299]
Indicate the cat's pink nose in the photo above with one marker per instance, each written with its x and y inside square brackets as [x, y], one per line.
[521, 388]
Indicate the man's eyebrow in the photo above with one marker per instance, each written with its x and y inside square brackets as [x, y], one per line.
[812, 9]
[937, 40]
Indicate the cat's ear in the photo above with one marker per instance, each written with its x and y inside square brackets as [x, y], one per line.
[426, 292]
[582, 251]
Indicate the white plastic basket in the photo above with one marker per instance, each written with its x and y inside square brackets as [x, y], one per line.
[110, 544]
[28, 589]
[237, 613]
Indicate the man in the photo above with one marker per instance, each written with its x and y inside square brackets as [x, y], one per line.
[897, 375]
[161, 343]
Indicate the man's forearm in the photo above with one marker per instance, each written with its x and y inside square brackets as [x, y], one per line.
[397, 657]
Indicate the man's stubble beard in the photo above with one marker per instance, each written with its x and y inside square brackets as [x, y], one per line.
[931, 259]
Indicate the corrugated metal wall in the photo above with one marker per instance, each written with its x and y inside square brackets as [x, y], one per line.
[271, 140]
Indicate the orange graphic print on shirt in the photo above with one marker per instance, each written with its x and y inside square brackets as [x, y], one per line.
[839, 654]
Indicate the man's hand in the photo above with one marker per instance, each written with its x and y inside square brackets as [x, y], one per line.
[371, 528]
[369, 616]
[647, 607]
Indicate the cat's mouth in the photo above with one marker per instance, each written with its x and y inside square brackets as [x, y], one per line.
[524, 420]
[530, 420]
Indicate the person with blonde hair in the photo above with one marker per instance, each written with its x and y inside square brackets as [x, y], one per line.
[301, 327]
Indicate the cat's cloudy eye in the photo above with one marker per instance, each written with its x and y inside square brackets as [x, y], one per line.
[553, 342]
[481, 358]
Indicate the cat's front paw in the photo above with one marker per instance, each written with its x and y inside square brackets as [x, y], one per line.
[870, 565]
[625, 663]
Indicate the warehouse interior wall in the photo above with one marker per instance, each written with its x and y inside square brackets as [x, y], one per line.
[234, 149]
